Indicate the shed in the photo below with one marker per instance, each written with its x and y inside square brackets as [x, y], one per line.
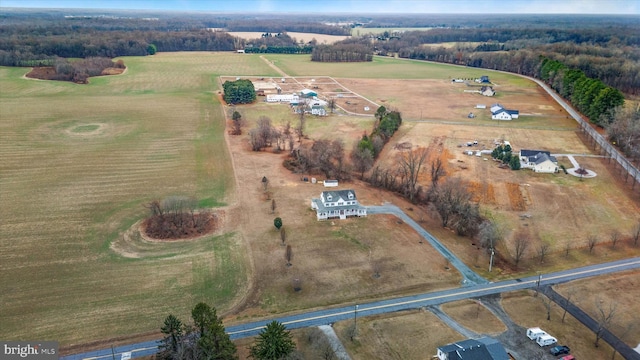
[330, 183]
[308, 93]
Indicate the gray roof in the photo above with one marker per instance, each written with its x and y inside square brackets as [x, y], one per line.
[528, 153]
[336, 195]
[540, 158]
[484, 348]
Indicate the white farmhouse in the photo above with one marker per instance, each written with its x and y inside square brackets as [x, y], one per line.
[539, 161]
[338, 204]
[498, 112]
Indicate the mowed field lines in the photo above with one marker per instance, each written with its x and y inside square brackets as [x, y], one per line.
[79, 162]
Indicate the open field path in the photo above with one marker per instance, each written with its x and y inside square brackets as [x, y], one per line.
[469, 277]
[273, 66]
[625, 350]
[345, 312]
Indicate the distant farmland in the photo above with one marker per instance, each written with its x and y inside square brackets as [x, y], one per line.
[79, 164]
[306, 37]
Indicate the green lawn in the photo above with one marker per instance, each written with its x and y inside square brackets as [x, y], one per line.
[79, 164]
[380, 68]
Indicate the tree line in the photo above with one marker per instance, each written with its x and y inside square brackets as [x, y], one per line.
[604, 57]
[342, 53]
[590, 96]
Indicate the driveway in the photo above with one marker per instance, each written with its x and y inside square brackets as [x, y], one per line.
[469, 277]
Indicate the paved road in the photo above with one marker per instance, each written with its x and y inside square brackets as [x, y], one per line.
[329, 316]
[625, 350]
[469, 277]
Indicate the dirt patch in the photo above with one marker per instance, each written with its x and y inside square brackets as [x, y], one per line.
[516, 200]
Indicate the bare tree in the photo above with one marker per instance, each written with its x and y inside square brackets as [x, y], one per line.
[604, 317]
[327, 157]
[520, 247]
[615, 237]
[567, 248]
[592, 240]
[301, 123]
[266, 131]
[409, 167]
[255, 140]
[287, 135]
[437, 171]
[452, 201]
[362, 160]
[332, 104]
[283, 235]
[288, 255]
[489, 235]
[378, 144]
[543, 249]
[273, 206]
[635, 235]
[547, 302]
[567, 300]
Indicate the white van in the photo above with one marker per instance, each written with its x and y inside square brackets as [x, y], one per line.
[546, 339]
[535, 333]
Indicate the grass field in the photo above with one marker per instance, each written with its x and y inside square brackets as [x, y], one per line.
[80, 162]
[379, 68]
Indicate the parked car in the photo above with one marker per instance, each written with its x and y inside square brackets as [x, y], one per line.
[568, 357]
[559, 350]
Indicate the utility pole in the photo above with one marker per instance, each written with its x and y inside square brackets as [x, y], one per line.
[355, 319]
[491, 260]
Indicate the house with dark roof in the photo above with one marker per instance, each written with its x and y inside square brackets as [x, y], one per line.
[484, 348]
[538, 160]
[338, 204]
[498, 112]
[484, 79]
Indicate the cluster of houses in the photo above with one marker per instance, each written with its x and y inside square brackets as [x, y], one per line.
[306, 100]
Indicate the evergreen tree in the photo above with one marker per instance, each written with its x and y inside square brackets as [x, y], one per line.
[273, 343]
[214, 343]
[514, 163]
[173, 329]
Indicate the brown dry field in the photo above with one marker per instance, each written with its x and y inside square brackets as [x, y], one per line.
[407, 335]
[558, 208]
[474, 316]
[334, 260]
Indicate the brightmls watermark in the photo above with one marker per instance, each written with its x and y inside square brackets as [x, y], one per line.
[30, 350]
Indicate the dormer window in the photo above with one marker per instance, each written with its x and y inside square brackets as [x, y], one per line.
[329, 197]
[350, 196]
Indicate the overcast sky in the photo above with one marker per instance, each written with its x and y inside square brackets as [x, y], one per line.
[629, 7]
